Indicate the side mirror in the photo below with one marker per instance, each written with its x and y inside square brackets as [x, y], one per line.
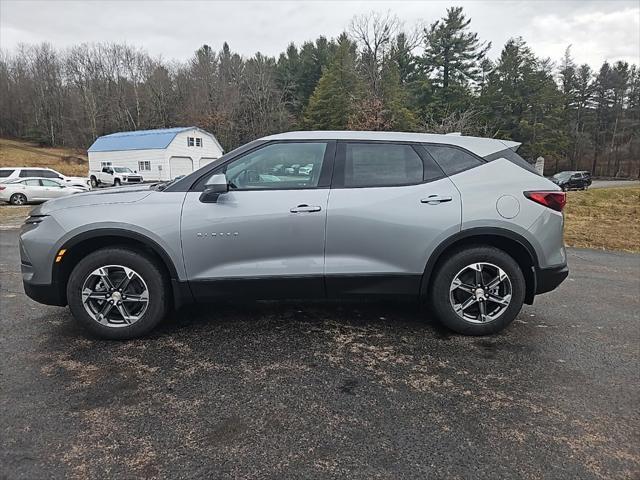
[216, 186]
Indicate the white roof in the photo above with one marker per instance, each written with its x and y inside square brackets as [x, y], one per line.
[478, 145]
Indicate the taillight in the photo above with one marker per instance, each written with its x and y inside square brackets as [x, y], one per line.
[2, 188]
[554, 200]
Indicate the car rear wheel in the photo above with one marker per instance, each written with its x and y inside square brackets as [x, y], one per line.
[117, 293]
[94, 182]
[478, 290]
[18, 199]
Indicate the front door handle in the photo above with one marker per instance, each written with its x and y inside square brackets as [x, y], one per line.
[436, 199]
[305, 208]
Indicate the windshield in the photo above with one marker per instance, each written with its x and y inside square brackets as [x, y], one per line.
[122, 169]
[562, 175]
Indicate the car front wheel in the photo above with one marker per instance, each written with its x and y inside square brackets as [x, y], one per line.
[478, 290]
[117, 293]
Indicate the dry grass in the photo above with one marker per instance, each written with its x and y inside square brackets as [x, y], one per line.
[17, 153]
[14, 215]
[605, 218]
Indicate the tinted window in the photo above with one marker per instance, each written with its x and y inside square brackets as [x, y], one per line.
[452, 160]
[30, 173]
[514, 158]
[378, 165]
[48, 174]
[278, 166]
[5, 173]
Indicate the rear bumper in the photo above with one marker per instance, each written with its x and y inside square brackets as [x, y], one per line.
[548, 279]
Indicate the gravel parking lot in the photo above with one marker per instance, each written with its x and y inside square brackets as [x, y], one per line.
[317, 390]
[614, 183]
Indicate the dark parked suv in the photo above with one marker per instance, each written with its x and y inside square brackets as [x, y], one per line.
[572, 180]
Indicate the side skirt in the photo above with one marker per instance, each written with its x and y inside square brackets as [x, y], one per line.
[307, 287]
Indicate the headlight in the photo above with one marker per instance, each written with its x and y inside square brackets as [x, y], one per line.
[32, 222]
[35, 219]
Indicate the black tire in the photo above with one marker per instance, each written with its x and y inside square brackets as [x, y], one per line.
[18, 199]
[445, 273]
[94, 182]
[116, 182]
[156, 282]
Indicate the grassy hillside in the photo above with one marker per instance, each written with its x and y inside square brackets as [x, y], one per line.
[604, 218]
[17, 153]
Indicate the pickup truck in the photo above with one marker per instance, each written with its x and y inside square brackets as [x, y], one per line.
[114, 176]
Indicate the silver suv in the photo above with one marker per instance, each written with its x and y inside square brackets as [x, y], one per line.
[463, 223]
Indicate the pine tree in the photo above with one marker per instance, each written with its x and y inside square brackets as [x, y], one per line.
[452, 52]
[333, 101]
[452, 60]
[524, 103]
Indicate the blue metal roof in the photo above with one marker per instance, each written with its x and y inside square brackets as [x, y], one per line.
[137, 140]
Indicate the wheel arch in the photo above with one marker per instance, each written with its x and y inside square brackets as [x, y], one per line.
[512, 243]
[84, 243]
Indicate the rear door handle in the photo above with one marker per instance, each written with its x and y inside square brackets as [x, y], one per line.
[305, 208]
[436, 199]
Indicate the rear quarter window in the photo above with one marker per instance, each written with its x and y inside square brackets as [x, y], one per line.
[5, 173]
[513, 157]
[452, 160]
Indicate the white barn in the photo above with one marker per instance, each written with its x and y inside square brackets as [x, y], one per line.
[160, 154]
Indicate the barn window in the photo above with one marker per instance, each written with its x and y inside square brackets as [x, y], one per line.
[144, 166]
[190, 141]
[198, 142]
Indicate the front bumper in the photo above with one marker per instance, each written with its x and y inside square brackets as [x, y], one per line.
[49, 294]
[548, 279]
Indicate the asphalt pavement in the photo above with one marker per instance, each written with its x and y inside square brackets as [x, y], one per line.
[614, 183]
[313, 390]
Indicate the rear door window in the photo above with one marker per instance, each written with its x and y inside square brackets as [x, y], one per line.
[380, 165]
[451, 159]
[48, 174]
[28, 172]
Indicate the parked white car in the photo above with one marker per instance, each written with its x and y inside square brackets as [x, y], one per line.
[306, 170]
[114, 176]
[10, 173]
[25, 190]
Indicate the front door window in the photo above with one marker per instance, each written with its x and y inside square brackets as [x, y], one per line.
[280, 166]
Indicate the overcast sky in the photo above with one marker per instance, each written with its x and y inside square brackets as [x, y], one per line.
[597, 30]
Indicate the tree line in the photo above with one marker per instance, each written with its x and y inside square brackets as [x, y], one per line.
[377, 75]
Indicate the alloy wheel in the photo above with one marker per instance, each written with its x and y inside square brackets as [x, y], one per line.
[19, 199]
[480, 292]
[115, 296]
